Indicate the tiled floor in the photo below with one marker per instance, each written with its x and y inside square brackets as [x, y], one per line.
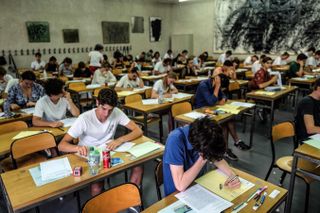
[256, 162]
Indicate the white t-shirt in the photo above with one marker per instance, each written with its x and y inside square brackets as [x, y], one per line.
[248, 60]
[158, 86]
[160, 68]
[11, 83]
[49, 111]
[126, 83]
[4, 82]
[100, 78]
[92, 132]
[256, 66]
[223, 58]
[35, 65]
[311, 61]
[95, 58]
[279, 61]
[168, 56]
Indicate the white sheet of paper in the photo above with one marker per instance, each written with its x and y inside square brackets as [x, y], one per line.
[315, 137]
[124, 147]
[202, 200]
[175, 207]
[67, 122]
[54, 169]
[141, 89]
[242, 104]
[195, 115]
[181, 95]
[144, 148]
[150, 101]
[28, 110]
[93, 86]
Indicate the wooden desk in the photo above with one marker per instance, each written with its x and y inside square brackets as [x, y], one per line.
[189, 81]
[308, 153]
[22, 194]
[152, 78]
[303, 81]
[221, 118]
[269, 205]
[154, 108]
[281, 68]
[22, 117]
[6, 139]
[271, 99]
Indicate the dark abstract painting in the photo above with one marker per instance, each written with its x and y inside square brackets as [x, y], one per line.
[38, 31]
[137, 24]
[70, 35]
[155, 29]
[267, 25]
[115, 32]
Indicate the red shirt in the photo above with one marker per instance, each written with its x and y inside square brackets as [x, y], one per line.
[260, 77]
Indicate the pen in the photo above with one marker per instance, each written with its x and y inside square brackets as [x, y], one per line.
[238, 206]
[263, 198]
[232, 179]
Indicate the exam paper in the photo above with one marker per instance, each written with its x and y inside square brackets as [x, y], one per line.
[54, 169]
[93, 86]
[313, 142]
[242, 104]
[141, 89]
[28, 110]
[24, 134]
[202, 200]
[35, 173]
[124, 147]
[229, 108]
[177, 207]
[125, 93]
[315, 137]
[181, 95]
[144, 148]
[150, 101]
[67, 122]
[213, 179]
[195, 115]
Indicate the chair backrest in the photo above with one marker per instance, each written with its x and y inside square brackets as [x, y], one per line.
[158, 176]
[234, 86]
[180, 108]
[114, 200]
[148, 92]
[29, 145]
[249, 74]
[117, 71]
[133, 98]
[96, 92]
[77, 85]
[13, 126]
[283, 130]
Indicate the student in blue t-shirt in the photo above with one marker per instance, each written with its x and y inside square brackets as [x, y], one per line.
[187, 150]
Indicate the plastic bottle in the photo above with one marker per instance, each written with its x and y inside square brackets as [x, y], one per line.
[160, 99]
[94, 161]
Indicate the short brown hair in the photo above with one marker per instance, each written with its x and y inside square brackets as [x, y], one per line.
[108, 96]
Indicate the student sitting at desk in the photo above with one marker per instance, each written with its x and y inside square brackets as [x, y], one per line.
[131, 80]
[187, 151]
[250, 60]
[52, 65]
[4, 79]
[162, 67]
[156, 58]
[225, 56]
[165, 86]
[209, 93]
[283, 59]
[82, 71]
[296, 67]
[52, 107]
[307, 118]
[262, 78]
[168, 54]
[38, 64]
[117, 63]
[313, 61]
[137, 64]
[227, 69]
[189, 70]
[24, 94]
[103, 75]
[97, 127]
[65, 67]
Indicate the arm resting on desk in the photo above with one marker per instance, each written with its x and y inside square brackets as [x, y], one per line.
[310, 126]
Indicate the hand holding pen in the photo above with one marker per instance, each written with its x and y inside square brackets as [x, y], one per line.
[232, 182]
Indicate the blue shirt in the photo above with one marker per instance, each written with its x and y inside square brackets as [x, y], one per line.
[178, 152]
[204, 95]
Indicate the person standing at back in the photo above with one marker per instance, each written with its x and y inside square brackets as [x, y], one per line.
[96, 58]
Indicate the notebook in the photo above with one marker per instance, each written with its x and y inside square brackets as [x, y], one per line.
[144, 148]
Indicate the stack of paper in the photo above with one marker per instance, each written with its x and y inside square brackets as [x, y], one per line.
[28, 110]
[181, 95]
[150, 101]
[144, 148]
[93, 86]
[242, 104]
[213, 179]
[229, 109]
[24, 134]
[202, 200]
[55, 169]
[195, 115]
[67, 122]
[299, 79]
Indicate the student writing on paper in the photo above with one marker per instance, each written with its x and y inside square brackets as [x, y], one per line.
[165, 86]
[52, 107]
[38, 64]
[82, 71]
[296, 67]
[227, 69]
[307, 118]
[187, 151]
[103, 75]
[209, 93]
[162, 67]
[130, 80]
[97, 127]
[262, 78]
[24, 94]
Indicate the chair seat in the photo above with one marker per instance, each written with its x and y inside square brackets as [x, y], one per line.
[7, 165]
[285, 164]
[139, 119]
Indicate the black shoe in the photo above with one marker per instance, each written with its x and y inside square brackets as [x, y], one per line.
[230, 155]
[242, 146]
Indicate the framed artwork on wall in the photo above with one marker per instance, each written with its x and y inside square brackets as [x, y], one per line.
[115, 32]
[155, 29]
[70, 35]
[137, 23]
[38, 31]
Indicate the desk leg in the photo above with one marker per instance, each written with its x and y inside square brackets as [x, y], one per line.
[252, 126]
[271, 118]
[291, 186]
[161, 128]
[145, 123]
[5, 196]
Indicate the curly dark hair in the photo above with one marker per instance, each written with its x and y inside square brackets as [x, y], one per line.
[206, 137]
[53, 86]
[28, 75]
[108, 96]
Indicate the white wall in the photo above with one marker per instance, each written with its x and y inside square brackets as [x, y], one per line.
[85, 15]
